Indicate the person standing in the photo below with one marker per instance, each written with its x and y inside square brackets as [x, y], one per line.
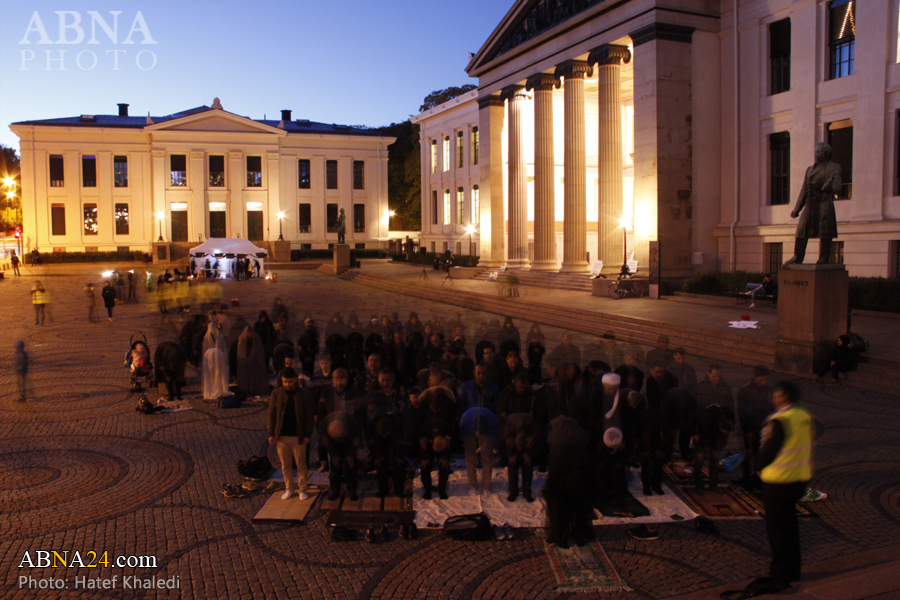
[20, 367]
[479, 428]
[15, 263]
[784, 465]
[132, 287]
[39, 299]
[109, 298]
[91, 299]
[291, 412]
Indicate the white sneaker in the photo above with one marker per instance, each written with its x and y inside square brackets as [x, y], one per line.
[304, 496]
[287, 495]
[753, 305]
[474, 492]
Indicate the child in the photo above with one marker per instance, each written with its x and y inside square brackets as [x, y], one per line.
[20, 367]
[139, 358]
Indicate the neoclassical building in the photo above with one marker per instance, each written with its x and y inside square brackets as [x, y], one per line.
[686, 125]
[107, 182]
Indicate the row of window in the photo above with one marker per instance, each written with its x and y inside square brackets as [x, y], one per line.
[89, 219]
[460, 151]
[840, 138]
[841, 45]
[216, 163]
[475, 199]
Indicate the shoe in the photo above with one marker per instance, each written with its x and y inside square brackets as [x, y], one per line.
[528, 497]
[658, 489]
[354, 497]
[512, 497]
[643, 533]
[813, 495]
[413, 531]
[323, 467]
[426, 495]
[273, 487]
[442, 494]
[304, 496]
[499, 534]
[647, 491]
[385, 534]
[371, 536]
[474, 492]
[110, 319]
[508, 531]
[287, 495]
[753, 305]
[404, 531]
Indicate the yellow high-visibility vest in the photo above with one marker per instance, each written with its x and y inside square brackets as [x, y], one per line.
[39, 296]
[794, 460]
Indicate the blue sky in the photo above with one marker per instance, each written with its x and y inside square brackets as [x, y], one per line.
[358, 62]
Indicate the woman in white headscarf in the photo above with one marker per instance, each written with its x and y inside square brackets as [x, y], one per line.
[252, 375]
[214, 373]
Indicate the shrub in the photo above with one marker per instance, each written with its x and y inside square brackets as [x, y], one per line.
[464, 260]
[90, 257]
[325, 253]
[721, 283]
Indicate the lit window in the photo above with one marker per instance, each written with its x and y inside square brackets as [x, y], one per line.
[842, 37]
[216, 171]
[303, 171]
[90, 219]
[178, 170]
[122, 219]
[434, 156]
[120, 171]
[254, 171]
[476, 205]
[446, 153]
[459, 150]
[460, 206]
[474, 138]
[446, 207]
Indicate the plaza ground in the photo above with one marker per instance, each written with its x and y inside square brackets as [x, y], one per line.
[81, 470]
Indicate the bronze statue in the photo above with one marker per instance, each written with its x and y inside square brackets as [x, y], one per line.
[342, 227]
[820, 186]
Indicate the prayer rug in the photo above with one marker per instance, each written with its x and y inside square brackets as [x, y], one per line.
[367, 502]
[755, 501]
[292, 509]
[361, 519]
[627, 507]
[585, 569]
[681, 472]
[718, 506]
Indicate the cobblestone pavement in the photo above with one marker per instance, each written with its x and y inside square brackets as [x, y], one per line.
[81, 470]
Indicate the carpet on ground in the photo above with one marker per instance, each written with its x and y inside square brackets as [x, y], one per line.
[361, 519]
[292, 509]
[755, 501]
[725, 505]
[584, 569]
[681, 472]
[626, 506]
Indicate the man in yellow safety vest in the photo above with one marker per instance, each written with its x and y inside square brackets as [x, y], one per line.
[39, 298]
[784, 464]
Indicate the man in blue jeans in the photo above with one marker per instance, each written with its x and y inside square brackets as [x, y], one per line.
[478, 393]
[766, 288]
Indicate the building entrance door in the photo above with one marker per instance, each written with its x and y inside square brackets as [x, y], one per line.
[217, 224]
[255, 225]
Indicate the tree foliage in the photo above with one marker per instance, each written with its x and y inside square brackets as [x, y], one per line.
[10, 208]
[440, 96]
[404, 176]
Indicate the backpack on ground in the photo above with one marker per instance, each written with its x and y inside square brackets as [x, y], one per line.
[858, 342]
[255, 467]
[469, 528]
[234, 400]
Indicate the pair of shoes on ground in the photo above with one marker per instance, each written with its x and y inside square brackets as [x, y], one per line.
[409, 531]
[527, 495]
[374, 536]
[272, 487]
[233, 491]
[287, 495]
[644, 533]
[648, 490]
[503, 532]
[442, 494]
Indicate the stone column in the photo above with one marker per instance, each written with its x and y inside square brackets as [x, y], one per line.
[517, 249]
[575, 169]
[544, 197]
[609, 59]
[491, 229]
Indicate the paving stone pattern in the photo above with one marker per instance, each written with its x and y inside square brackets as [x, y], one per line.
[81, 470]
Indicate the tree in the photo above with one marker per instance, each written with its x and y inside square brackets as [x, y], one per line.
[404, 176]
[441, 96]
[10, 207]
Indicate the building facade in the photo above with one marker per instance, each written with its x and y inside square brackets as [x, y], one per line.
[107, 182]
[677, 129]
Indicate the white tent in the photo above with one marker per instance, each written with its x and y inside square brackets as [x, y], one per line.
[220, 249]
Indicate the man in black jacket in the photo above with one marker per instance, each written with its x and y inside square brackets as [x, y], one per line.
[291, 412]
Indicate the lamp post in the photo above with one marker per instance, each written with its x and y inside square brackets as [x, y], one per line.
[10, 183]
[280, 228]
[159, 217]
[624, 223]
[469, 230]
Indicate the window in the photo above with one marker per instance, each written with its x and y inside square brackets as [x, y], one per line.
[773, 254]
[460, 206]
[474, 138]
[303, 172]
[446, 247]
[331, 218]
[840, 138]
[216, 171]
[218, 220]
[122, 219]
[359, 218]
[359, 175]
[178, 168]
[432, 247]
[780, 168]
[780, 55]
[58, 218]
[57, 173]
[88, 171]
[894, 258]
[178, 218]
[459, 150]
[90, 219]
[434, 208]
[255, 221]
[446, 150]
[254, 171]
[837, 253]
[459, 248]
[446, 207]
[434, 156]
[120, 171]
[476, 205]
[842, 37]
[304, 218]
[331, 174]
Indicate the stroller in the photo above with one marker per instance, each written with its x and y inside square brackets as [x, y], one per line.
[137, 359]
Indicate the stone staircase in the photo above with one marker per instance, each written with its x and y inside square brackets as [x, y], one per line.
[575, 282]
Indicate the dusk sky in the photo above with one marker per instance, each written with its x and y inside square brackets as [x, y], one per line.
[342, 61]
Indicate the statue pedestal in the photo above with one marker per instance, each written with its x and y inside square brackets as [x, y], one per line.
[341, 258]
[280, 251]
[812, 313]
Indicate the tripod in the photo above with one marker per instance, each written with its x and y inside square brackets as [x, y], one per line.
[423, 275]
[448, 277]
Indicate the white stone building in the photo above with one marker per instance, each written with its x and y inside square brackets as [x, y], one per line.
[107, 182]
[700, 181]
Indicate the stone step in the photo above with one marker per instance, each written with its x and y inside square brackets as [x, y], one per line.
[543, 279]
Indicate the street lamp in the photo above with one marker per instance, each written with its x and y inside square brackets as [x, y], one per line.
[469, 230]
[159, 217]
[280, 229]
[624, 222]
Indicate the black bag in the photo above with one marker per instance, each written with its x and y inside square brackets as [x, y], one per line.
[469, 528]
[232, 400]
[255, 467]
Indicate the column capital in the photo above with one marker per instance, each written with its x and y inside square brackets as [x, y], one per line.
[662, 31]
[541, 82]
[492, 100]
[610, 54]
[573, 69]
[513, 92]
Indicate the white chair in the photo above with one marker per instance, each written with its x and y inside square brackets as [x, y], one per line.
[596, 268]
[632, 264]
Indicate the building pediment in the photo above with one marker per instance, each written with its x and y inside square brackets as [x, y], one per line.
[215, 120]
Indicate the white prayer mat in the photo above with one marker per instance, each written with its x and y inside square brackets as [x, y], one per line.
[744, 324]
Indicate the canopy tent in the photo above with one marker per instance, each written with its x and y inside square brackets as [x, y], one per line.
[223, 252]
